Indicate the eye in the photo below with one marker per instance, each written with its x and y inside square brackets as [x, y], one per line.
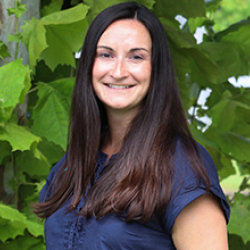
[105, 55]
[136, 57]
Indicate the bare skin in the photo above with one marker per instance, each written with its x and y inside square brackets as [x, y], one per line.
[118, 125]
[201, 225]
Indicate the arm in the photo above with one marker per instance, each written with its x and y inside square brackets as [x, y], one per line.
[201, 225]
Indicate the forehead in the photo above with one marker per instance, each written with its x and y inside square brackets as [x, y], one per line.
[126, 30]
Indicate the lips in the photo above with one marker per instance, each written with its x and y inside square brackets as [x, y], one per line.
[119, 86]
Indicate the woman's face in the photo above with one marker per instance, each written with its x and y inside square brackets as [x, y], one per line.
[122, 67]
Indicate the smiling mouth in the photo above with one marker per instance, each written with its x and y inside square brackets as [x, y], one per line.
[119, 86]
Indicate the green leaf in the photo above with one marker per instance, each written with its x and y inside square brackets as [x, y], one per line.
[10, 214]
[16, 223]
[228, 63]
[19, 137]
[65, 32]
[201, 137]
[242, 105]
[18, 11]
[16, 38]
[240, 217]
[212, 5]
[75, 2]
[180, 39]
[34, 39]
[26, 242]
[68, 16]
[34, 228]
[51, 116]
[235, 145]
[51, 151]
[240, 38]
[54, 6]
[11, 230]
[242, 122]
[59, 39]
[4, 50]
[227, 168]
[5, 150]
[96, 6]
[194, 23]
[202, 66]
[186, 8]
[147, 3]
[44, 73]
[14, 84]
[235, 242]
[232, 28]
[223, 114]
[26, 162]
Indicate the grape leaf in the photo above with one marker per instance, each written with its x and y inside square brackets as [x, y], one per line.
[55, 37]
[240, 38]
[186, 8]
[240, 217]
[4, 50]
[223, 115]
[55, 5]
[51, 151]
[10, 214]
[228, 63]
[14, 84]
[194, 23]
[51, 115]
[12, 131]
[212, 5]
[11, 230]
[26, 242]
[235, 145]
[68, 16]
[34, 39]
[5, 150]
[31, 165]
[16, 223]
[65, 32]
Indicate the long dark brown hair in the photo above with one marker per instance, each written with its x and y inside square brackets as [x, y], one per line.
[138, 182]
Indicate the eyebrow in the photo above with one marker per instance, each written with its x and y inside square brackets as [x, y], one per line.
[131, 50]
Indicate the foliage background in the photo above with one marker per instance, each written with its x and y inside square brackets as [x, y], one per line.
[35, 99]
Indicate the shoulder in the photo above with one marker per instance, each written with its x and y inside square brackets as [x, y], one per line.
[183, 165]
[186, 186]
[199, 224]
[45, 190]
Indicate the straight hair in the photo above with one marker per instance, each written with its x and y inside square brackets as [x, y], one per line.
[138, 182]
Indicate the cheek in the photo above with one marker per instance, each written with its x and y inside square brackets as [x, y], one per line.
[95, 71]
[100, 69]
[142, 73]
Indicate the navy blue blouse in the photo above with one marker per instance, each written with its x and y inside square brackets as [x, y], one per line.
[71, 232]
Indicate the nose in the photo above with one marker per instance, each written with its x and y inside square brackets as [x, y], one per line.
[119, 69]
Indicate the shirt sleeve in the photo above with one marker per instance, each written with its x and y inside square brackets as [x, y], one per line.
[186, 186]
[44, 193]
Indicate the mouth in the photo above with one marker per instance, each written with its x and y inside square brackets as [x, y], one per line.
[119, 86]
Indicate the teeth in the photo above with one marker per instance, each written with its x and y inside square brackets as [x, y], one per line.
[118, 86]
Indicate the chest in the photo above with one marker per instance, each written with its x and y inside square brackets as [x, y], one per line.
[71, 232]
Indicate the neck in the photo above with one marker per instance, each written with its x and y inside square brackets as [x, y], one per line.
[119, 122]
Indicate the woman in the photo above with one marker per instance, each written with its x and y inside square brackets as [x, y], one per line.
[133, 177]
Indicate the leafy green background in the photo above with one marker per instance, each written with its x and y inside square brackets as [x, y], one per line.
[35, 100]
